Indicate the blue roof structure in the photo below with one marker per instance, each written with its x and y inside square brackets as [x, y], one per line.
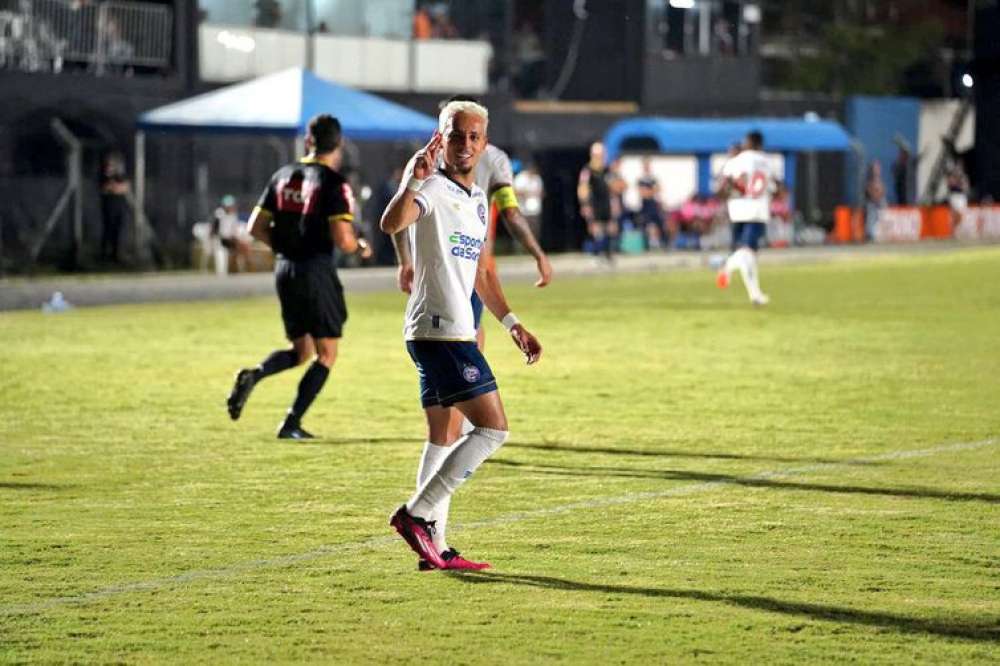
[716, 135]
[283, 103]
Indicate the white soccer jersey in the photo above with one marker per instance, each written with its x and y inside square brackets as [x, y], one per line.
[754, 182]
[494, 169]
[445, 242]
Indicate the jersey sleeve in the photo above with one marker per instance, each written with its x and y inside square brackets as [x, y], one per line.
[340, 202]
[501, 171]
[407, 173]
[729, 168]
[425, 197]
[268, 202]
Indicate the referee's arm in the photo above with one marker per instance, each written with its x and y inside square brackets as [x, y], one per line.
[344, 236]
[259, 225]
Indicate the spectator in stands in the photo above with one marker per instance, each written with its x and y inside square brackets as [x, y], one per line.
[693, 219]
[114, 51]
[722, 37]
[901, 174]
[650, 215]
[442, 27]
[268, 13]
[874, 198]
[958, 191]
[231, 232]
[422, 25]
[114, 187]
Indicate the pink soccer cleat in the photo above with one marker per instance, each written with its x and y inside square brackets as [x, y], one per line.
[418, 533]
[453, 561]
[722, 279]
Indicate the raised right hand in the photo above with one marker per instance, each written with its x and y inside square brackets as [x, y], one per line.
[425, 162]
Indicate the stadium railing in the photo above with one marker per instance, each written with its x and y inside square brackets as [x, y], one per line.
[47, 35]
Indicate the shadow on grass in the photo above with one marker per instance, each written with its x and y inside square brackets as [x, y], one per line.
[748, 481]
[28, 485]
[977, 630]
[564, 448]
[326, 441]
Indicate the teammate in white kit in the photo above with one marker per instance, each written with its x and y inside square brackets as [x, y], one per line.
[748, 181]
[448, 213]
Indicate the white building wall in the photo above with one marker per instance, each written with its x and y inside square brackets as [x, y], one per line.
[935, 118]
[230, 53]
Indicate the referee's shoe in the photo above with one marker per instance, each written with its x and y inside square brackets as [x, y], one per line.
[246, 379]
[290, 428]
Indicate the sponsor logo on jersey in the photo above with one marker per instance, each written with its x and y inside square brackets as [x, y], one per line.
[464, 246]
[470, 373]
[296, 195]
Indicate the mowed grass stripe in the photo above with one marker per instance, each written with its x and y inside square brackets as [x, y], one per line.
[376, 542]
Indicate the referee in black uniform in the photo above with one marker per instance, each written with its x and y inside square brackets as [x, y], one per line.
[305, 211]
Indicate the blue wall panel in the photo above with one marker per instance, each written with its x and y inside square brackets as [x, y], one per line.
[875, 121]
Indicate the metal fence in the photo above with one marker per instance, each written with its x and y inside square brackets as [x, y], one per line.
[105, 37]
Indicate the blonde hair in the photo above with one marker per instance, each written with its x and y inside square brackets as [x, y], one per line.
[452, 108]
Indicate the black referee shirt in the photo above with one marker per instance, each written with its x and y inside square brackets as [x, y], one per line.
[301, 200]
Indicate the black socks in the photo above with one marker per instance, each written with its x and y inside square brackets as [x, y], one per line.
[278, 361]
[309, 387]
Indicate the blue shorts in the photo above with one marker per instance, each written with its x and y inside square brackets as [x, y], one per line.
[748, 234]
[450, 372]
[477, 309]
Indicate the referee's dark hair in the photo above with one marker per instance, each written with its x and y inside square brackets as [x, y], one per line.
[325, 132]
[755, 139]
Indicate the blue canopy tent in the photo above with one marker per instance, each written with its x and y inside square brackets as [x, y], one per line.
[282, 103]
[703, 137]
[279, 104]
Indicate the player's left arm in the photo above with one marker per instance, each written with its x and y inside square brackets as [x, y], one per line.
[510, 212]
[489, 290]
[259, 224]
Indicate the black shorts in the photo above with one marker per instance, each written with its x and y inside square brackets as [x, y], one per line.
[312, 298]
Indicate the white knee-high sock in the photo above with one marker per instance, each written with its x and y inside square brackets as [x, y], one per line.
[466, 426]
[430, 463]
[732, 263]
[466, 456]
[745, 261]
[751, 278]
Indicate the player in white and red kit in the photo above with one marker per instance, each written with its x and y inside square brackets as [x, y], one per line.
[748, 182]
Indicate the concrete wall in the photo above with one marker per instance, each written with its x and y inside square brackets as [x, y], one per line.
[232, 53]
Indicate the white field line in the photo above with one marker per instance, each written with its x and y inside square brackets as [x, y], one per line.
[379, 541]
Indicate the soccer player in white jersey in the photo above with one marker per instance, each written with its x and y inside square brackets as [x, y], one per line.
[748, 181]
[495, 175]
[447, 211]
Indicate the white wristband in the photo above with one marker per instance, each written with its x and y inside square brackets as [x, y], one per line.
[414, 184]
[510, 320]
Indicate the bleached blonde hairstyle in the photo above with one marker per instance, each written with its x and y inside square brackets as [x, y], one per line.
[451, 108]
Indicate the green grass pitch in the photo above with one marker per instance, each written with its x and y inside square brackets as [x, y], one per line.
[687, 478]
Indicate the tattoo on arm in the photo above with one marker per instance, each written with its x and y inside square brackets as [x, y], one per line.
[519, 229]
